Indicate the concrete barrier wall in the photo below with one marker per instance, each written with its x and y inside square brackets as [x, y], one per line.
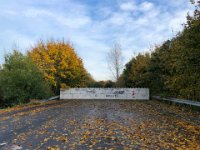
[106, 93]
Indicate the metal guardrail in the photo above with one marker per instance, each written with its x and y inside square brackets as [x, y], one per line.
[54, 98]
[180, 101]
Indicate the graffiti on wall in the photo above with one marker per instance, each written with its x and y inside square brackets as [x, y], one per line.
[105, 93]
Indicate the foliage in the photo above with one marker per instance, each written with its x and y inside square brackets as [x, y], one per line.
[109, 84]
[1, 93]
[103, 84]
[120, 82]
[173, 69]
[186, 51]
[21, 80]
[159, 67]
[136, 73]
[60, 64]
[1, 98]
[102, 125]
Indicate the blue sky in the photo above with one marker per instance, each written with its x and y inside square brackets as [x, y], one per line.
[92, 26]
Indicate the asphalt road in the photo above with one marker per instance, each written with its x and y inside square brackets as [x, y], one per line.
[100, 124]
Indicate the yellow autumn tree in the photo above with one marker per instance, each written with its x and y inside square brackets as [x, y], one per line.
[61, 65]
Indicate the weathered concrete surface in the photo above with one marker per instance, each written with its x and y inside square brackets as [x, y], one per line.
[88, 124]
[105, 93]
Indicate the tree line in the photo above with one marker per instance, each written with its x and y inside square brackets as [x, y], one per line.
[39, 74]
[173, 68]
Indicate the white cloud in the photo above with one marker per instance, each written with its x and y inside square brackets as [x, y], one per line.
[118, 19]
[146, 6]
[17, 40]
[128, 6]
[68, 20]
[73, 22]
[8, 13]
[132, 6]
[175, 22]
[135, 25]
[35, 13]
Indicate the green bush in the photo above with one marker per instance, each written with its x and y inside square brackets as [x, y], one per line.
[1, 98]
[21, 80]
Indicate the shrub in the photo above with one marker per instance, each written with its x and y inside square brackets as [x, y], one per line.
[21, 80]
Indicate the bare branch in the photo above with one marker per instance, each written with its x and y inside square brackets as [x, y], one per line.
[115, 61]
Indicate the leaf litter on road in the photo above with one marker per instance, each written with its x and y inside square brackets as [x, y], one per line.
[107, 125]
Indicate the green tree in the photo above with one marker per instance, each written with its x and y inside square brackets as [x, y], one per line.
[159, 68]
[174, 67]
[184, 81]
[103, 84]
[135, 73]
[109, 84]
[21, 80]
